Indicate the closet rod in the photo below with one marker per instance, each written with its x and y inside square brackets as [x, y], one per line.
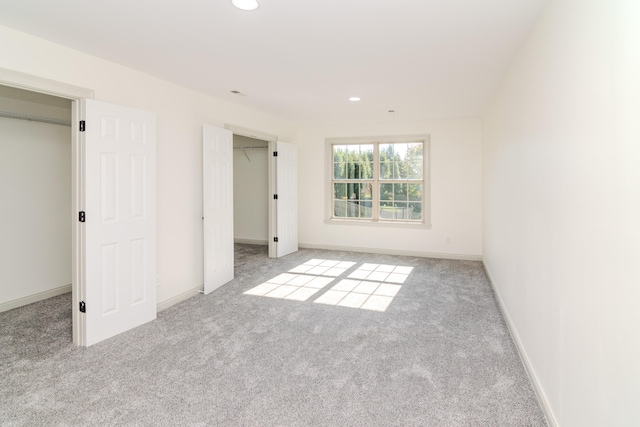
[250, 148]
[29, 117]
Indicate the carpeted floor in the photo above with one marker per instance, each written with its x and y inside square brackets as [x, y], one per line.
[440, 355]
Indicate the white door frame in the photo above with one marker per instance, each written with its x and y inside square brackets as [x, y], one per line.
[271, 171]
[77, 95]
[273, 205]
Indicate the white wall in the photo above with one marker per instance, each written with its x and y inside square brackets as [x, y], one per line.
[180, 114]
[250, 191]
[456, 200]
[35, 218]
[562, 208]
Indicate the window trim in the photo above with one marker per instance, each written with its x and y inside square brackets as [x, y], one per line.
[328, 181]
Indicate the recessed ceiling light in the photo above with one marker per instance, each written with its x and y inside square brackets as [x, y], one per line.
[246, 4]
[354, 99]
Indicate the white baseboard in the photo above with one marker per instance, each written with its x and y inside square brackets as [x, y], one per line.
[464, 257]
[252, 241]
[542, 398]
[179, 298]
[30, 299]
[9, 305]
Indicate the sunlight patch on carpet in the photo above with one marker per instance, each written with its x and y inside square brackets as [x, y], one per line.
[369, 287]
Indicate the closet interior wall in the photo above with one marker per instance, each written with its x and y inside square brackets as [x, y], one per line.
[35, 189]
[250, 190]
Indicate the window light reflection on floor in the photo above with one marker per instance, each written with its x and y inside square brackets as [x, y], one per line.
[382, 284]
[369, 287]
[321, 267]
[297, 287]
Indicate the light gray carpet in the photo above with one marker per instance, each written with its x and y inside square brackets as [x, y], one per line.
[440, 355]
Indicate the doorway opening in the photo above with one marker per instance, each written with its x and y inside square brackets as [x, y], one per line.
[36, 188]
[76, 96]
[250, 190]
[263, 176]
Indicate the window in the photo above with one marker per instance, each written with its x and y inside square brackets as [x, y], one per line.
[379, 181]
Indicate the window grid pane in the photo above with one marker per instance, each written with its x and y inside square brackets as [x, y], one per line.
[414, 192]
[415, 210]
[414, 169]
[401, 161]
[352, 200]
[353, 162]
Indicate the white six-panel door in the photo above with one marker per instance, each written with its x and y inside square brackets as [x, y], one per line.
[217, 155]
[287, 203]
[119, 165]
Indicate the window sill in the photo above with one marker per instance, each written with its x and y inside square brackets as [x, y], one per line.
[378, 223]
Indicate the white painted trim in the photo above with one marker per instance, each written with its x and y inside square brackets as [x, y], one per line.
[462, 257]
[542, 398]
[40, 84]
[181, 297]
[250, 133]
[251, 241]
[273, 207]
[30, 299]
[354, 222]
[77, 230]
[377, 138]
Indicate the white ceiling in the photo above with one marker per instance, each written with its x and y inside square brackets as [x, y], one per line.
[300, 59]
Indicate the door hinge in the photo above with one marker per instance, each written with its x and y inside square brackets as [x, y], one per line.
[83, 307]
[275, 197]
[81, 216]
[275, 154]
[82, 125]
[275, 239]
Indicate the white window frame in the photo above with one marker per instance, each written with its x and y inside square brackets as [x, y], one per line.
[426, 203]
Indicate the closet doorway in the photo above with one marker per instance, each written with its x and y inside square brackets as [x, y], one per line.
[250, 190]
[266, 180]
[36, 194]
